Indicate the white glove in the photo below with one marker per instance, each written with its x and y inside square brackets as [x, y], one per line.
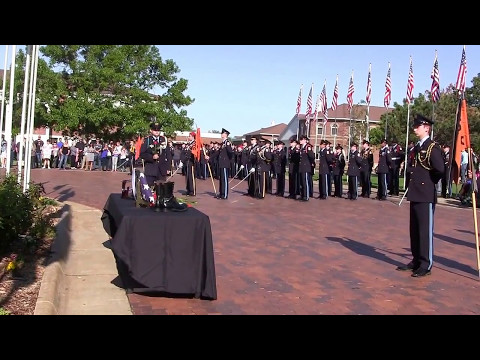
[242, 167]
[180, 165]
[252, 170]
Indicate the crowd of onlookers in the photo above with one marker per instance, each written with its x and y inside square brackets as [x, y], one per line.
[76, 153]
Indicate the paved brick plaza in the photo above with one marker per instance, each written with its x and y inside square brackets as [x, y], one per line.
[280, 256]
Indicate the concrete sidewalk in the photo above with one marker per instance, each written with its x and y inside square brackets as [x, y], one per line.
[81, 275]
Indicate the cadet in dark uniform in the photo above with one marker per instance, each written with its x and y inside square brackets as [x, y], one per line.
[307, 157]
[366, 169]
[353, 172]
[446, 188]
[427, 170]
[325, 160]
[279, 165]
[397, 156]
[224, 164]
[293, 162]
[153, 153]
[382, 170]
[338, 168]
[189, 162]
[252, 165]
[264, 159]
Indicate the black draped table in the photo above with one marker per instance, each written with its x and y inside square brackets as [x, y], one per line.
[167, 252]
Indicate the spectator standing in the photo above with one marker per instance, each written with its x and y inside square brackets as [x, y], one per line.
[464, 165]
[46, 154]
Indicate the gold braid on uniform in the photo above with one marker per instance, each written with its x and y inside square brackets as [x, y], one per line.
[424, 160]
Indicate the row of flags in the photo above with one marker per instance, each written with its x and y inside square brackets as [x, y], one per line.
[321, 104]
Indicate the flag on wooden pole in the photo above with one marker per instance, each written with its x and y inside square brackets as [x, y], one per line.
[462, 140]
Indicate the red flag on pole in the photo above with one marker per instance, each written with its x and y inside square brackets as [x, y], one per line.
[138, 146]
[462, 140]
[197, 151]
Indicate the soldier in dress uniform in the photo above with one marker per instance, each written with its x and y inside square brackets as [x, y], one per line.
[153, 153]
[293, 163]
[353, 171]
[427, 170]
[325, 160]
[279, 165]
[224, 164]
[446, 188]
[244, 160]
[397, 156]
[252, 165]
[338, 166]
[331, 154]
[307, 157]
[366, 169]
[382, 170]
[264, 159]
[189, 162]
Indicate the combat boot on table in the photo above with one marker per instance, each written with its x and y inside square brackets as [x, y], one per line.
[170, 201]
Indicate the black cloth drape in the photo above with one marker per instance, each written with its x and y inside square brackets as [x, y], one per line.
[169, 252]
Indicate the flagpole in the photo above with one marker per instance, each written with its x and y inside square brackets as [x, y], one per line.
[474, 206]
[406, 148]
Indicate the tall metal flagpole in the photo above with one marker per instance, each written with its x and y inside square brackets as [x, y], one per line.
[9, 111]
[31, 113]
[406, 147]
[3, 89]
[24, 110]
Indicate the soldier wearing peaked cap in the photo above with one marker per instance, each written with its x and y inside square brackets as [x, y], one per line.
[154, 156]
[338, 168]
[307, 157]
[279, 166]
[189, 162]
[426, 171]
[353, 171]
[325, 160]
[383, 170]
[366, 169]
[293, 164]
[397, 157]
[224, 163]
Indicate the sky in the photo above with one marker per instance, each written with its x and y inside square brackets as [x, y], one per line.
[243, 88]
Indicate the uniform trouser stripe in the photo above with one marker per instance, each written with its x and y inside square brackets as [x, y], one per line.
[225, 183]
[307, 186]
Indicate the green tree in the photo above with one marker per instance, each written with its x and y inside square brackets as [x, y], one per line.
[106, 90]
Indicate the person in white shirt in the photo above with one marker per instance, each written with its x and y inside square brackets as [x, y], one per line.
[46, 154]
[464, 165]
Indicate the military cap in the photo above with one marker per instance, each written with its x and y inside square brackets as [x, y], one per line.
[155, 126]
[280, 143]
[323, 142]
[266, 141]
[253, 138]
[339, 147]
[354, 144]
[366, 142]
[422, 120]
[225, 131]
[293, 139]
[384, 141]
[304, 137]
[193, 133]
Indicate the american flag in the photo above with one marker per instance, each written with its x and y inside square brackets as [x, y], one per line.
[317, 107]
[308, 113]
[350, 91]
[410, 83]
[323, 101]
[369, 86]
[388, 89]
[145, 191]
[299, 100]
[335, 96]
[435, 81]
[462, 72]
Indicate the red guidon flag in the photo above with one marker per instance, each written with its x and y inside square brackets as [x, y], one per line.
[462, 140]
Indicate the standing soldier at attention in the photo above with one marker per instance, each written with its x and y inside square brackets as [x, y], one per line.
[382, 170]
[338, 166]
[353, 172]
[224, 164]
[409, 157]
[264, 158]
[427, 170]
[325, 159]
[153, 153]
[279, 165]
[188, 160]
[446, 188]
[293, 163]
[307, 157]
[366, 169]
[397, 155]
[252, 165]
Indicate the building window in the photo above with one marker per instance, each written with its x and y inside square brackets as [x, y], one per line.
[334, 130]
[320, 129]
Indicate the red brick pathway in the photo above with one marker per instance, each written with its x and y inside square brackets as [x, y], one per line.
[280, 256]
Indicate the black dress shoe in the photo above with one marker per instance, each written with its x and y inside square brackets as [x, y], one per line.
[409, 267]
[420, 272]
